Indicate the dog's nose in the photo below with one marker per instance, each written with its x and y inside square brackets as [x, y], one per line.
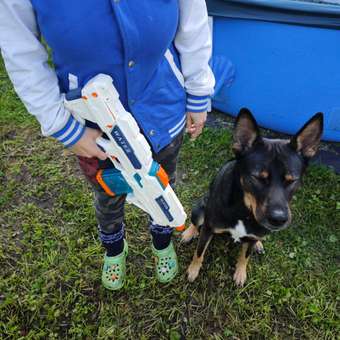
[278, 217]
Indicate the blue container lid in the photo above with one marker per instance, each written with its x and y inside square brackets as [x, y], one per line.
[284, 11]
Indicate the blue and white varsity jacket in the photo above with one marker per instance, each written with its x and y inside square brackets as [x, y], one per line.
[156, 51]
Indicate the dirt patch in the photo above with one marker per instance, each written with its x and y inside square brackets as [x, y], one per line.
[45, 203]
[24, 177]
[9, 135]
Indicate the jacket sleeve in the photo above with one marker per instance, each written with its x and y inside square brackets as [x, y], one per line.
[34, 80]
[193, 42]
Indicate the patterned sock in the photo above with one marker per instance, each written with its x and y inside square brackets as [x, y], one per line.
[113, 241]
[161, 236]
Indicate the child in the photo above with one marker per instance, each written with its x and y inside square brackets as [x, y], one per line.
[157, 53]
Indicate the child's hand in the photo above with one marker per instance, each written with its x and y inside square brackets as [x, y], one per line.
[87, 147]
[195, 123]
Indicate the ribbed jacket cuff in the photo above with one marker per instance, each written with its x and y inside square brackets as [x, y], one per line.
[70, 133]
[197, 103]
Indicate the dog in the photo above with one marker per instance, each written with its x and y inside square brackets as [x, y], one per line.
[249, 198]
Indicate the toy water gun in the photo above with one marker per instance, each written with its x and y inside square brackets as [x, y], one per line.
[136, 173]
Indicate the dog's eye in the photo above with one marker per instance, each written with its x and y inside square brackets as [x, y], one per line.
[259, 178]
[290, 179]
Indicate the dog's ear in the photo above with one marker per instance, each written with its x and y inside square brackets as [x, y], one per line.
[307, 140]
[246, 131]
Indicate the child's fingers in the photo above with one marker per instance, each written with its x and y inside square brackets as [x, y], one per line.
[95, 151]
[189, 123]
[191, 129]
[197, 131]
[101, 155]
[195, 123]
[89, 150]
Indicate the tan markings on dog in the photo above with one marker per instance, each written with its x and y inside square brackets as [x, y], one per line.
[264, 174]
[240, 274]
[196, 263]
[289, 215]
[189, 233]
[248, 199]
[289, 178]
[220, 230]
[250, 202]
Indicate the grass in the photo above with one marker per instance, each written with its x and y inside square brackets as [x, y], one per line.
[50, 257]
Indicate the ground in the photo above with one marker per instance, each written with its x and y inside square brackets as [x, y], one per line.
[50, 256]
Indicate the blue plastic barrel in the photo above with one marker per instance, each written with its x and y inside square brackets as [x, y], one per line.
[281, 59]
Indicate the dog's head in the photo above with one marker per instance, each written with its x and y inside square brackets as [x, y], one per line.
[271, 169]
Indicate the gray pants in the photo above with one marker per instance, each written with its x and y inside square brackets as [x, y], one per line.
[110, 210]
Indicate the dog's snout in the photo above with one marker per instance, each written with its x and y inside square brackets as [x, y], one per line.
[278, 217]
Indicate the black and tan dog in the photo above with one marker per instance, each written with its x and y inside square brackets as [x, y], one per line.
[250, 195]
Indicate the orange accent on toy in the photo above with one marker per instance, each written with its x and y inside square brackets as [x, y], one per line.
[109, 126]
[84, 97]
[99, 178]
[94, 94]
[181, 227]
[114, 277]
[162, 176]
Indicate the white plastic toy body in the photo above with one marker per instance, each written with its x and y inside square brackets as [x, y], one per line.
[128, 150]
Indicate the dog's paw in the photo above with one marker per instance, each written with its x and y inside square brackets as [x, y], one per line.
[258, 247]
[193, 271]
[189, 234]
[240, 276]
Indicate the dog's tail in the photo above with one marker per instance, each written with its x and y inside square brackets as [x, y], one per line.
[197, 220]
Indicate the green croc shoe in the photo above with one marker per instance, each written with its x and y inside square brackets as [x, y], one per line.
[166, 263]
[114, 269]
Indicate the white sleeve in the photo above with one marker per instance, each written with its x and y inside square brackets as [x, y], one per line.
[34, 81]
[193, 42]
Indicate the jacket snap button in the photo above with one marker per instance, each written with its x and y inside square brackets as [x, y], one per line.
[131, 63]
[152, 132]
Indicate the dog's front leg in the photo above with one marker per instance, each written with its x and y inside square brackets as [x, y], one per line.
[189, 234]
[203, 242]
[240, 274]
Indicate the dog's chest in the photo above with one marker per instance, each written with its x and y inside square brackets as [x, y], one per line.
[239, 231]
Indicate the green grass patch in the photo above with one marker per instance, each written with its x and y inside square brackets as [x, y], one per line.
[50, 257]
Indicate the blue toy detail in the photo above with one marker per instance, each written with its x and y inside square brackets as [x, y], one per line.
[153, 172]
[73, 94]
[164, 206]
[138, 179]
[121, 140]
[115, 181]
